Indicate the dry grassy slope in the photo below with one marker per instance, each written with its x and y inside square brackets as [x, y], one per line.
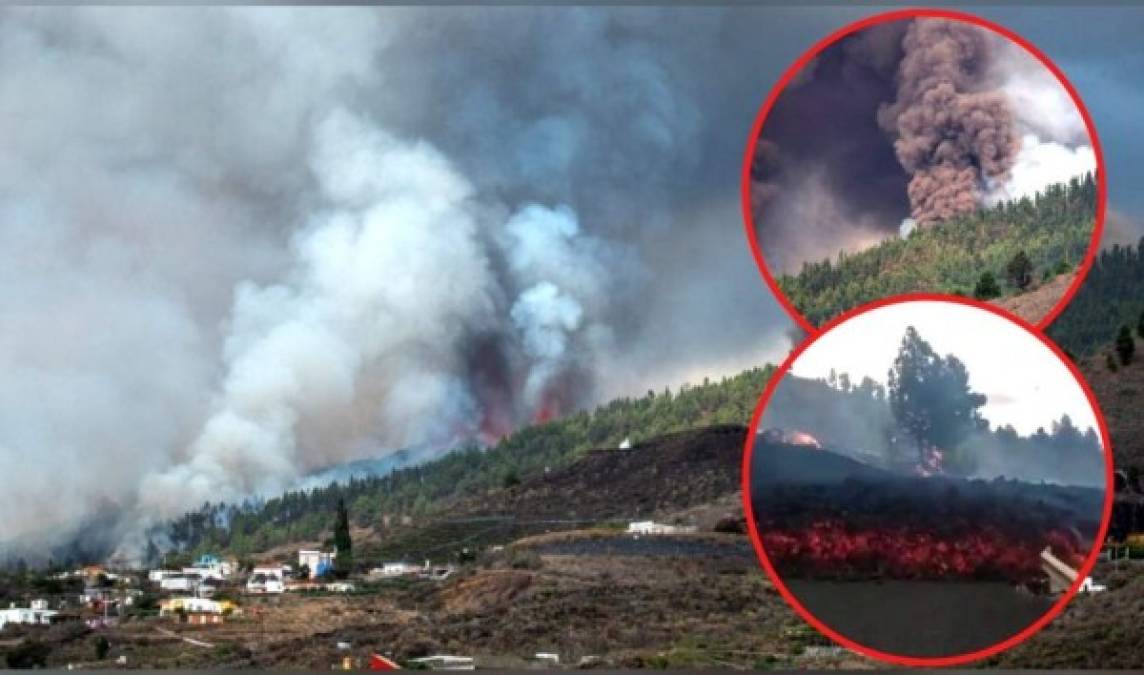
[1120, 395]
[1033, 305]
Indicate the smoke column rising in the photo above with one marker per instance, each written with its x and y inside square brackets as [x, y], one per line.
[357, 301]
[903, 125]
[951, 136]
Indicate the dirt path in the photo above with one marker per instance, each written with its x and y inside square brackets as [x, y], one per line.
[190, 641]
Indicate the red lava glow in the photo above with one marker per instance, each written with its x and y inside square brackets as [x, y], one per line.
[495, 425]
[550, 406]
[803, 438]
[785, 437]
[830, 549]
[545, 413]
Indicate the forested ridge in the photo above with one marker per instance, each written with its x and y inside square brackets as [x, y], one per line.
[1052, 230]
[926, 405]
[1111, 296]
[305, 515]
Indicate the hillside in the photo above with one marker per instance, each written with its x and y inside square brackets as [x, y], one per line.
[417, 492]
[657, 479]
[1036, 302]
[661, 475]
[1120, 393]
[1054, 230]
[1112, 295]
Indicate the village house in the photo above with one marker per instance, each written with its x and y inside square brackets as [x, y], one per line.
[267, 579]
[318, 562]
[37, 615]
[211, 566]
[181, 582]
[652, 527]
[157, 576]
[446, 662]
[198, 611]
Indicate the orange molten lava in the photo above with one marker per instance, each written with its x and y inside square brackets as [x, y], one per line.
[829, 549]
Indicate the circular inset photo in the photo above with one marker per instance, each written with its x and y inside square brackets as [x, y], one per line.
[927, 481]
[923, 151]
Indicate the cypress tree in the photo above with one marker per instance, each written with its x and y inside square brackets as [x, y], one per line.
[344, 562]
[1125, 345]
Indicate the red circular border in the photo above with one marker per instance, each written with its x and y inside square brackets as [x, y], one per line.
[914, 661]
[819, 47]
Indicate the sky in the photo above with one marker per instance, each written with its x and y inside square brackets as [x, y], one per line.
[1027, 385]
[241, 244]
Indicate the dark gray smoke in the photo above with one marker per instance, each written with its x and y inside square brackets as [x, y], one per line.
[903, 124]
[824, 177]
[954, 134]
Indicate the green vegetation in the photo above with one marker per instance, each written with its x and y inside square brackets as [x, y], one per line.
[930, 396]
[344, 562]
[1111, 296]
[987, 287]
[307, 515]
[1020, 270]
[926, 406]
[1012, 241]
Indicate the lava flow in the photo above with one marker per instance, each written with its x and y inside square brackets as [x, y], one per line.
[797, 438]
[829, 549]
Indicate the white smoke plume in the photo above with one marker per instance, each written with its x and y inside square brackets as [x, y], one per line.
[358, 301]
[1055, 145]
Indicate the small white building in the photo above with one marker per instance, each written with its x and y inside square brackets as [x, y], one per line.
[204, 573]
[180, 582]
[157, 576]
[652, 527]
[395, 569]
[318, 562]
[267, 579]
[447, 662]
[209, 566]
[38, 615]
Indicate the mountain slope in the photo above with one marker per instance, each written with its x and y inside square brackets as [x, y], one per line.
[1054, 231]
[1112, 295]
[418, 491]
[1119, 395]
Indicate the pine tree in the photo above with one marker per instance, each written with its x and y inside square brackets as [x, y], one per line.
[986, 288]
[1020, 270]
[930, 396]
